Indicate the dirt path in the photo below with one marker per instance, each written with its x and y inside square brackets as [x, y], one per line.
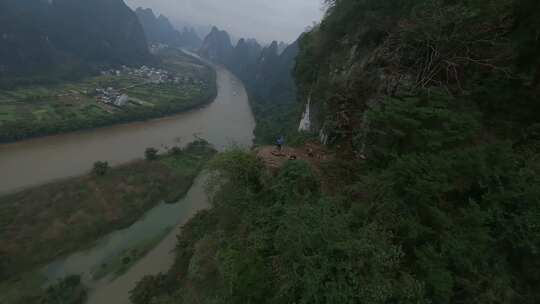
[313, 153]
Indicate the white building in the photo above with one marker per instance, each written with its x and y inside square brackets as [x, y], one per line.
[155, 78]
[121, 100]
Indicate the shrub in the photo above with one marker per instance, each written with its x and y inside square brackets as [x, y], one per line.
[67, 291]
[296, 180]
[151, 154]
[100, 168]
[176, 150]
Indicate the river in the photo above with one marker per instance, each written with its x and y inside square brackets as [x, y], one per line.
[111, 289]
[226, 121]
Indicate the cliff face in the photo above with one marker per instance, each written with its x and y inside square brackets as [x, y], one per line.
[267, 66]
[217, 46]
[432, 107]
[244, 58]
[274, 74]
[37, 35]
[190, 38]
[98, 30]
[157, 29]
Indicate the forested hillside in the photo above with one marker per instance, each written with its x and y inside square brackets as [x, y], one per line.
[66, 38]
[431, 107]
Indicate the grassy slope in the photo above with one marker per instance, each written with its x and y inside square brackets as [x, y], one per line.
[45, 222]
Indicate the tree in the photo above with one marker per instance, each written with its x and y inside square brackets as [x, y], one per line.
[147, 289]
[67, 291]
[176, 150]
[100, 168]
[151, 154]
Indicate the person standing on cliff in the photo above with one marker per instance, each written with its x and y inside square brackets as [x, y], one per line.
[280, 142]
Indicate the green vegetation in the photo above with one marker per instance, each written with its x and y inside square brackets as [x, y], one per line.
[45, 222]
[275, 119]
[433, 197]
[67, 291]
[151, 154]
[28, 290]
[100, 168]
[277, 239]
[36, 110]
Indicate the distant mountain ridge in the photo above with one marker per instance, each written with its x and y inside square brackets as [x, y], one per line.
[244, 58]
[38, 36]
[267, 75]
[217, 46]
[158, 29]
[267, 71]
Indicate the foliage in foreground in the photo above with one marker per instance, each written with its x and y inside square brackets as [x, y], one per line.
[278, 240]
[405, 234]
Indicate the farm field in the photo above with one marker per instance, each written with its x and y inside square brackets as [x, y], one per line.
[30, 111]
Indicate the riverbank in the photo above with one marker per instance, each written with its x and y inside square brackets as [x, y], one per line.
[72, 154]
[158, 260]
[34, 111]
[45, 222]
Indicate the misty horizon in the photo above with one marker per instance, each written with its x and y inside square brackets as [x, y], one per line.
[280, 20]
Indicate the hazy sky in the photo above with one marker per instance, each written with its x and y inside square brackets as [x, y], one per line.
[265, 20]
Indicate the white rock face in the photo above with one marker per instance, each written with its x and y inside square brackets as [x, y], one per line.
[305, 123]
[323, 137]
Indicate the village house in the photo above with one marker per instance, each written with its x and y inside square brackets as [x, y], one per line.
[121, 100]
